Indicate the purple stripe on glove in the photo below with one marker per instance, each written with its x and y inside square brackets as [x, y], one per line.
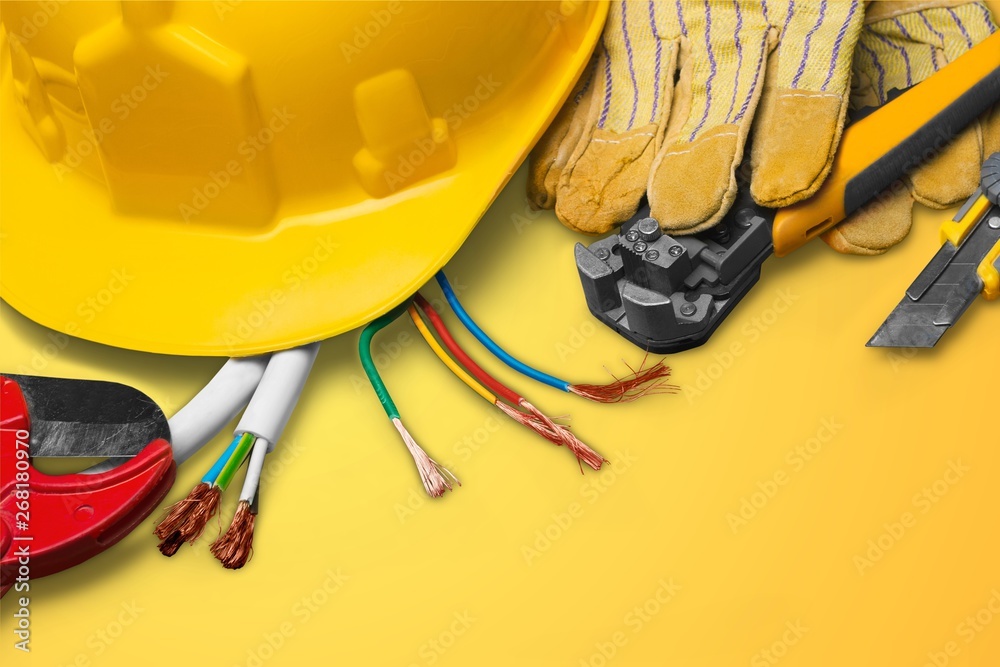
[714, 68]
[837, 44]
[739, 56]
[808, 41]
[631, 65]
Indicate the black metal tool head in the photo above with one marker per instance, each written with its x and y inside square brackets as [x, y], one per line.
[669, 293]
[88, 418]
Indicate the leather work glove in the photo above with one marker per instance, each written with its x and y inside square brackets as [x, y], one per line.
[898, 48]
[669, 101]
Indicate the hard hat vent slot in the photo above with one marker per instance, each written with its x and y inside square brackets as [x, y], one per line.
[182, 134]
[403, 144]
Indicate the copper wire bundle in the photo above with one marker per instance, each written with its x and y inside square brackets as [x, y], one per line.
[635, 385]
[235, 547]
[435, 477]
[276, 392]
[510, 402]
[185, 520]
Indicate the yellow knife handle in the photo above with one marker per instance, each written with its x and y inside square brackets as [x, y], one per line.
[956, 231]
[989, 272]
[894, 140]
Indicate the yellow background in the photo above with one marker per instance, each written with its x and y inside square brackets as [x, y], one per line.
[454, 581]
[531, 562]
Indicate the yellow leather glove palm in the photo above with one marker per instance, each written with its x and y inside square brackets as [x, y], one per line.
[669, 101]
[898, 48]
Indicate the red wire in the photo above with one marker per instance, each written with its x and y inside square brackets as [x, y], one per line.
[498, 388]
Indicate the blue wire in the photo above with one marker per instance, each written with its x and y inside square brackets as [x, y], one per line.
[216, 468]
[474, 329]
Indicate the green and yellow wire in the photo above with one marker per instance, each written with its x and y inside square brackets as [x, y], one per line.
[435, 478]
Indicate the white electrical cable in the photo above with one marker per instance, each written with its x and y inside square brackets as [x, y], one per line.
[208, 412]
[254, 469]
[216, 405]
[273, 402]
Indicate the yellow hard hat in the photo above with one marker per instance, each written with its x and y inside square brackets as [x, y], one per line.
[230, 178]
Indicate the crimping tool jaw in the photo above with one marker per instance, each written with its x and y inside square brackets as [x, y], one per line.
[668, 293]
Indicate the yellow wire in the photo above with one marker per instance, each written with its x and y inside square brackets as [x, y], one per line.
[448, 361]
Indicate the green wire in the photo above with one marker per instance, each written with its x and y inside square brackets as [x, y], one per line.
[235, 461]
[365, 351]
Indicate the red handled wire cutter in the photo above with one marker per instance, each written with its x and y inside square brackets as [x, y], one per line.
[49, 523]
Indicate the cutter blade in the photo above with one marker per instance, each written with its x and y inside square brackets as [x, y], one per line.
[88, 417]
[942, 291]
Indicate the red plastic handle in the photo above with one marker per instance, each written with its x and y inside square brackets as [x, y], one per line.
[51, 523]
